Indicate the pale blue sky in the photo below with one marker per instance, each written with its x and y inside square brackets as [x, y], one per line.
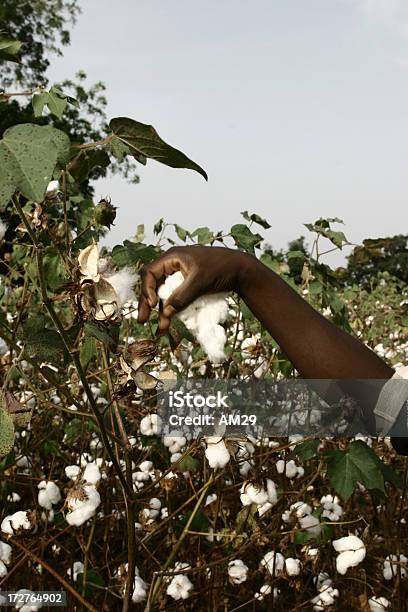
[296, 109]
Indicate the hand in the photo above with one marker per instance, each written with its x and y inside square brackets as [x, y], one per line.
[205, 269]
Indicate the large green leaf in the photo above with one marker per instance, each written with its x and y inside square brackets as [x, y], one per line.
[131, 253]
[29, 155]
[358, 464]
[40, 342]
[144, 141]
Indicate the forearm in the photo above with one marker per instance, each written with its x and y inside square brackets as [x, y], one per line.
[316, 347]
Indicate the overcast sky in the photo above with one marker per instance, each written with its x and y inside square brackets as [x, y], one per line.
[295, 109]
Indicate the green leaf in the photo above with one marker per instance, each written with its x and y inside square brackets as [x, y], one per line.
[29, 155]
[256, 219]
[9, 49]
[56, 101]
[181, 232]
[203, 234]
[88, 351]
[158, 227]
[40, 342]
[199, 523]
[188, 464]
[108, 334]
[132, 253]
[143, 140]
[358, 464]
[306, 450]
[6, 433]
[244, 238]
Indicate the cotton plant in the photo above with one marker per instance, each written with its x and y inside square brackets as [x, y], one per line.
[203, 318]
[216, 452]
[49, 494]
[103, 292]
[5, 558]
[327, 593]
[180, 586]
[301, 512]
[378, 604]
[289, 468]
[352, 552]
[395, 565]
[20, 521]
[331, 507]
[83, 499]
[237, 571]
[264, 498]
[148, 515]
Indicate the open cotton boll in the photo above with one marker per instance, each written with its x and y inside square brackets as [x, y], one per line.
[332, 508]
[3, 230]
[273, 562]
[237, 571]
[180, 586]
[14, 522]
[5, 553]
[378, 604]
[216, 452]
[92, 474]
[83, 509]
[139, 588]
[49, 494]
[77, 569]
[352, 552]
[151, 425]
[393, 565]
[123, 283]
[203, 317]
[292, 566]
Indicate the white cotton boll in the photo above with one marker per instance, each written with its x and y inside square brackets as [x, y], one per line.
[216, 452]
[392, 565]
[290, 468]
[77, 568]
[378, 604]
[310, 523]
[175, 457]
[273, 560]
[175, 442]
[5, 553]
[16, 521]
[292, 566]
[83, 509]
[210, 499]
[180, 586]
[72, 471]
[92, 474]
[253, 494]
[202, 318]
[332, 509]
[3, 230]
[352, 552]
[3, 570]
[237, 571]
[52, 188]
[265, 589]
[139, 590]
[123, 283]
[326, 597]
[49, 494]
[146, 466]
[151, 425]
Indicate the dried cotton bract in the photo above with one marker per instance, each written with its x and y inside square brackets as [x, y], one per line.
[103, 292]
[202, 318]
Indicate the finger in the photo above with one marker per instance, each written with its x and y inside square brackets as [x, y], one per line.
[144, 310]
[182, 296]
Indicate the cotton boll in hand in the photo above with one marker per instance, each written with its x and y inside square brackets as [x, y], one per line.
[202, 318]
